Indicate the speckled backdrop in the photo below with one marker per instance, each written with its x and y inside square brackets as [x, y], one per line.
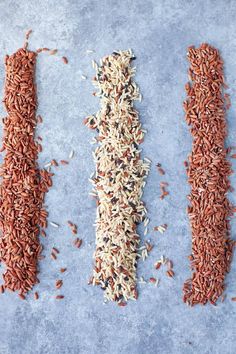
[159, 32]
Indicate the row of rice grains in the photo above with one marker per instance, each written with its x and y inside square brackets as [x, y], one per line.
[119, 177]
[23, 185]
[208, 174]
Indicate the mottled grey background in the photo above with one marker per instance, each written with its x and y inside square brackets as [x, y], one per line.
[159, 32]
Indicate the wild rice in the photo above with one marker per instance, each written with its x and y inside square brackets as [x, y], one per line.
[119, 177]
[208, 173]
[23, 185]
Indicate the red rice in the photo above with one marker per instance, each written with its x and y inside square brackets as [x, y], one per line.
[23, 185]
[208, 174]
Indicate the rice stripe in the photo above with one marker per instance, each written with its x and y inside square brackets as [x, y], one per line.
[119, 177]
[23, 185]
[208, 173]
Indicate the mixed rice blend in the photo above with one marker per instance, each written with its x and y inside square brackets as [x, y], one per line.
[119, 177]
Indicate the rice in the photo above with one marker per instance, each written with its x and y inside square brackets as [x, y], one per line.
[119, 177]
[208, 173]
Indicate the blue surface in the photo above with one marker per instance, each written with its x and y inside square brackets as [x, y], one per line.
[159, 33]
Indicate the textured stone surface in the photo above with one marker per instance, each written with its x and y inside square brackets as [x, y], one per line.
[159, 33]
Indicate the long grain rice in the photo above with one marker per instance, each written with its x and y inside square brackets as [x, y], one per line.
[119, 177]
[208, 174]
[23, 185]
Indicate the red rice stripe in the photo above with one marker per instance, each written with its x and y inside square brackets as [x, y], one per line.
[23, 185]
[208, 175]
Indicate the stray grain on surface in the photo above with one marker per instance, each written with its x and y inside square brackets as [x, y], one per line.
[63, 270]
[65, 60]
[58, 283]
[23, 185]
[60, 297]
